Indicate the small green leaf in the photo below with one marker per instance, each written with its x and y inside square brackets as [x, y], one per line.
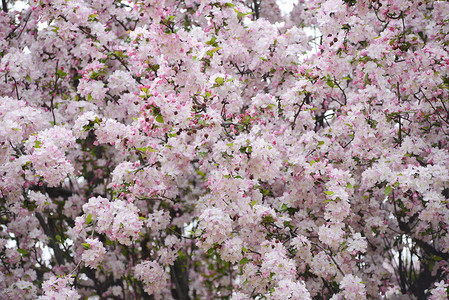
[243, 261]
[89, 218]
[388, 190]
[86, 246]
[284, 207]
[212, 41]
[58, 237]
[22, 251]
[329, 193]
[320, 143]
[312, 162]
[146, 149]
[219, 80]
[61, 73]
[214, 50]
[160, 119]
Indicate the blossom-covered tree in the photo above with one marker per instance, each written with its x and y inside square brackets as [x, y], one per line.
[184, 149]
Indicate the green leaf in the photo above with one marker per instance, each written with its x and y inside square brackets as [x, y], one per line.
[214, 50]
[219, 80]
[58, 237]
[86, 246]
[22, 251]
[89, 218]
[329, 193]
[61, 73]
[212, 41]
[253, 202]
[146, 149]
[92, 17]
[243, 261]
[388, 190]
[312, 162]
[210, 251]
[37, 144]
[320, 143]
[160, 119]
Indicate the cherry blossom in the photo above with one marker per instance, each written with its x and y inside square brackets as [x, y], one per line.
[224, 149]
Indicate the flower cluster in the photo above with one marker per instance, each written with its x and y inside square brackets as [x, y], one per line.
[153, 276]
[119, 220]
[59, 288]
[94, 253]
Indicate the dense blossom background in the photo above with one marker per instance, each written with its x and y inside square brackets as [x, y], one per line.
[216, 149]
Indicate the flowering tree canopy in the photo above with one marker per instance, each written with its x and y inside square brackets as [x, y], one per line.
[213, 149]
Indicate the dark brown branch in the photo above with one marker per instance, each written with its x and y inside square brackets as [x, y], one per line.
[59, 255]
